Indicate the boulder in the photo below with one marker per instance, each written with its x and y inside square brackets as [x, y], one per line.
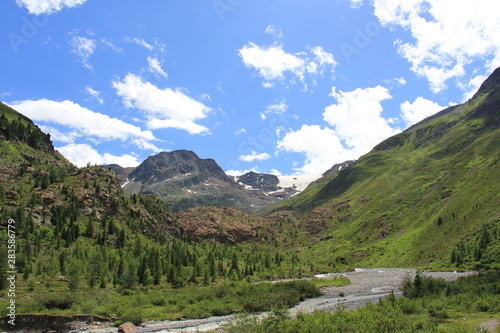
[127, 328]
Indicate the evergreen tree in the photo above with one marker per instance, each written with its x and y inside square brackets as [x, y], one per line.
[3, 197]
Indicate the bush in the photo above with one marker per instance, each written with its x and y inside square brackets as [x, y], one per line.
[135, 315]
[58, 301]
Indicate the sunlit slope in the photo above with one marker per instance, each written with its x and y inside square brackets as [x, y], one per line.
[416, 196]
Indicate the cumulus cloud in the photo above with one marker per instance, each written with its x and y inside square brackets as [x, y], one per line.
[445, 41]
[38, 7]
[421, 108]
[154, 66]
[357, 118]
[84, 122]
[254, 156]
[272, 63]
[355, 127]
[321, 146]
[82, 154]
[166, 108]
[322, 57]
[236, 173]
[83, 47]
[59, 136]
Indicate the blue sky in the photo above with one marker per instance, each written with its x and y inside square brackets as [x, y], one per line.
[276, 86]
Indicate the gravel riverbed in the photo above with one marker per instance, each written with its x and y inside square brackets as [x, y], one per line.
[367, 285]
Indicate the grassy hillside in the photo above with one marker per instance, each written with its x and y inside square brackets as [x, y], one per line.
[82, 246]
[417, 197]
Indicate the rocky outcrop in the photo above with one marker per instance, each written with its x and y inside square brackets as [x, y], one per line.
[219, 224]
[121, 173]
[337, 167]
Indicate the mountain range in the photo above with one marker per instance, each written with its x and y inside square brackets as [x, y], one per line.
[183, 180]
[425, 197]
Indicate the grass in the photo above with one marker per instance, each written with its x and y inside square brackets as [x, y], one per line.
[162, 302]
[337, 281]
[443, 170]
[431, 305]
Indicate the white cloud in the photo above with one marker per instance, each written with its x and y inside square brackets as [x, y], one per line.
[57, 135]
[82, 154]
[323, 57]
[143, 43]
[356, 3]
[236, 173]
[155, 67]
[84, 122]
[94, 93]
[272, 63]
[275, 32]
[278, 108]
[38, 7]
[357, 118]
[167, 108]
[111, 45]
[448, 35]
[321, 146]
[83, 47]
[253, 156]
[357, 126]
[473, 86]
[240, 131]
[156, 44]
[421, 108]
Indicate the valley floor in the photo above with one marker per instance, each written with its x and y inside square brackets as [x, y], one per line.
[367, 285]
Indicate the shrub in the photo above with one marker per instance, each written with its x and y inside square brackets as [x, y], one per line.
[58, 301]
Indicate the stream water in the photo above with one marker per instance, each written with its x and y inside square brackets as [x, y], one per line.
[367, 285]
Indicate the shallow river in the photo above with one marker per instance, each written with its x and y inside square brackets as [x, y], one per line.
[367, 285]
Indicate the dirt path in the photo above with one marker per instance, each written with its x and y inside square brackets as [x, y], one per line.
[367, 285]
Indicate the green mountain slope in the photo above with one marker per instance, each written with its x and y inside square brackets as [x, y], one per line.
[82, 246]
[417, 197]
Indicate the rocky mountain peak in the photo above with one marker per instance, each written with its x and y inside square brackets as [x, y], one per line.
[180, 165]
[265, 182]
[491, 83]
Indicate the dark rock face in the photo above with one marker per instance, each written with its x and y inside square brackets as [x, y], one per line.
[337, 167]
[189, 169]
[260, 181]
[121, 173]
[183, 180]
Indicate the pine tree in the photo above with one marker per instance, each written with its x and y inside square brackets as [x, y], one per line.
[45, 182]
[3, 197]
